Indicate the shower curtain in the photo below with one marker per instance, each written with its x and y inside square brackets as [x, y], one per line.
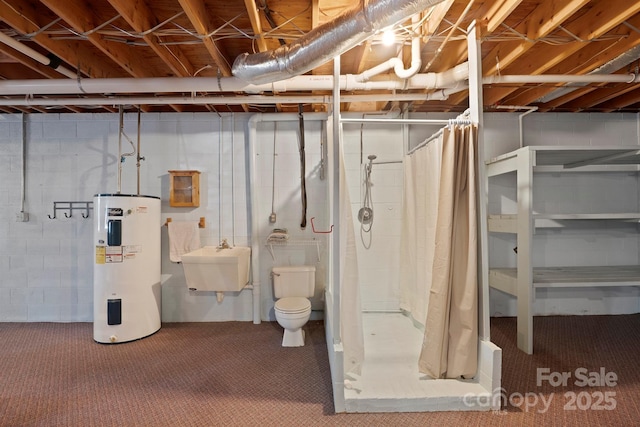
[350, 307]
[439, 250]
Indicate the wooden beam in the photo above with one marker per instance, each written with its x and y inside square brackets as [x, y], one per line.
[630, 98]
[30, 63]
[139, 15]
[25, 18]
[80, 15]
[598, 96]
[256, 25]
[315, 13]
[603, 16]
[590, 57]
[456, 51]
[436, 15]
[541, 22]
[198, 14]
[497, 12]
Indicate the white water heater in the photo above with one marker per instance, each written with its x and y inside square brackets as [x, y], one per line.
[126, 274]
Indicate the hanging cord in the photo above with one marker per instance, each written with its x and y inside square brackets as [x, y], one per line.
[367, 203]
[303, 186]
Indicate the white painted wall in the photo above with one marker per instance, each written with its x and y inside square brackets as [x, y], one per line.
[584, 243]
[47, 264]
[588, 244]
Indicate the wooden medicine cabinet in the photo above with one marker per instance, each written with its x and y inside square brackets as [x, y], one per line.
[184, 188]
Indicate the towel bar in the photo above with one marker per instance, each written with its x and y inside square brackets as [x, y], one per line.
[201, 223]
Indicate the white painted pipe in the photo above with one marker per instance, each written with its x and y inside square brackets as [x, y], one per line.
[254, 199]
[396, 63]
[35, 55]
[416, 61]
[211, 84]
[529, 110]
[563, 78]
[438, 122]
[449, 79]
[224, 100]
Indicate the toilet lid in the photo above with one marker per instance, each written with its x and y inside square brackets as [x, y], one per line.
[293, 305]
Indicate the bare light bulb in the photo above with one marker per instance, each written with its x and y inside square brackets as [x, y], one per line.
[388, 37]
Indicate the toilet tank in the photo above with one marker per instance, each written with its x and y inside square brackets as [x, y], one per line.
[294, 281]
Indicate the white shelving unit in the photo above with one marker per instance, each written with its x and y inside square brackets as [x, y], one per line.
[522, 281]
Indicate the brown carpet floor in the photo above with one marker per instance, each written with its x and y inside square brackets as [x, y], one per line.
[237, 374]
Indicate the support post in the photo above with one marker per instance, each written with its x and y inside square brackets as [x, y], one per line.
[476, 114]
[525, 162]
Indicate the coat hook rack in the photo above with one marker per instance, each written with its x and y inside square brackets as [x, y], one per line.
[69, 207]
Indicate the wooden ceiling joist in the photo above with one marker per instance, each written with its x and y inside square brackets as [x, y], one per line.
[199, 16]
[606, 14]
[141, 18]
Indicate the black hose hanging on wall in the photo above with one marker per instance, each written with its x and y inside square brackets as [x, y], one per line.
[303, 185]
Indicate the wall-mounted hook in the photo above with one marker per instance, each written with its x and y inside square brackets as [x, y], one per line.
[85, 214]
[69, 207]
[55, 210]
[319, 232]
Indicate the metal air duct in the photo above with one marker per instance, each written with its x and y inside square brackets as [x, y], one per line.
[327, 41]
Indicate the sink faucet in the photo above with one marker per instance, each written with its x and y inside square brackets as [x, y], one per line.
[224, 244]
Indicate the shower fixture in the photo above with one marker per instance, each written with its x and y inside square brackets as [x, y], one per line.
[365, 214]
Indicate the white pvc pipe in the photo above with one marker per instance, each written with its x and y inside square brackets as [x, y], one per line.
[528, 111]
[225, 84]
[416, 61]
[335, 238]
[449, 79]
[254, 199]
[399, 121]
[563, 78]
[226, 100]
[396, 63]
[36, 56]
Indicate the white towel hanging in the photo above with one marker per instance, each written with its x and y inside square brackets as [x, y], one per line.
[184, 237]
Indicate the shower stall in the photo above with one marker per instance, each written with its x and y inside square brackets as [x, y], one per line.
[380, 373]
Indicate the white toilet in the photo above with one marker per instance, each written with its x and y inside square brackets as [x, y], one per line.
[293, 286]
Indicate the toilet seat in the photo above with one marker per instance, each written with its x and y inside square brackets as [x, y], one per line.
[292, 305]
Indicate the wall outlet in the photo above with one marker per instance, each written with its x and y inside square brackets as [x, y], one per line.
[22, 217]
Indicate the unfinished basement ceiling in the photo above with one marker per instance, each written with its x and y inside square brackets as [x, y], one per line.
[95, 39]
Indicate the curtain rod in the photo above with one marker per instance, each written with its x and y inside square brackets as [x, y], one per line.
[426, 141]
[462, 119]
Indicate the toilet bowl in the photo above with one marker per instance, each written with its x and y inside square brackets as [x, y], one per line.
[293, 286]
[292, 314]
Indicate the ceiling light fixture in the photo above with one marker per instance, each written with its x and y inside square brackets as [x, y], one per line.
[388, 37]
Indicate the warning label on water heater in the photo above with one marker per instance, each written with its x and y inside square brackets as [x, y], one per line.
[113, 254]
[100, 254]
